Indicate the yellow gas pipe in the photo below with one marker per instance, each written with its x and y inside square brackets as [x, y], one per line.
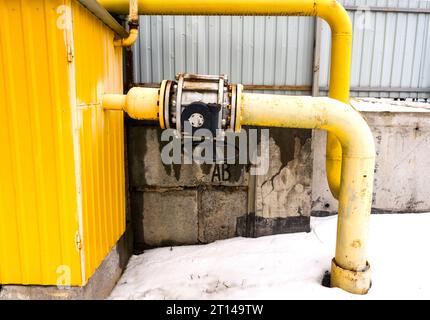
[350, 269]
[329, 10]
[139, 103]
[133, 22]
[346, 128]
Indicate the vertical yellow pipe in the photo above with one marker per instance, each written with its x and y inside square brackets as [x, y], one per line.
[340, 66]
[329, 10]
[133, 21]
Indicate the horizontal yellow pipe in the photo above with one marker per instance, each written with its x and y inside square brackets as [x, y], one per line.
[305, 112]
[329, 10]
[350, 270]
[139, 103]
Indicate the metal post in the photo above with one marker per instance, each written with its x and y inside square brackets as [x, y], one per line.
[317, 58]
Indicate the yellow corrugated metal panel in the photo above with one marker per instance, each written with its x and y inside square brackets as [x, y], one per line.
[61, 164]
[99, 70]
[38, 220]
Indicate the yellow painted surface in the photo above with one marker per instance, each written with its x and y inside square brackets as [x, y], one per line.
[99, 71]
[56, 184]
[38, 219]
[129, 41]
[139, 103]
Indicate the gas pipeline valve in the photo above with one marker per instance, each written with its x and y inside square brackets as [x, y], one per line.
[194, 102]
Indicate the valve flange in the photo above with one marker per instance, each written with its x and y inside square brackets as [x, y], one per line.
[199, 102]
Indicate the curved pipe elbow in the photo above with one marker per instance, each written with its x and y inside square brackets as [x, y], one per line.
[129, 41]
[133, 18]
[350, 128]
[335, 15]
[311, 113]
[350, 269]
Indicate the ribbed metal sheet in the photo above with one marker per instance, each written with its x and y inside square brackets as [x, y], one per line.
[61, 165]
[389, 49]
[38, 204]
[251, 50]
[98, 66]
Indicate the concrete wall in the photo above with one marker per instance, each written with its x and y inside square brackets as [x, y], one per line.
[180, 204]
[283, 195]
[189, 204]
[402, 136]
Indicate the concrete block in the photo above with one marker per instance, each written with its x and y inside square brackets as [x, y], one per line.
[282, 196]
[136, 208]
[402, 140]
[175, 197]
[147, 169]
[285, 191]
[219, 211]
[170, 218]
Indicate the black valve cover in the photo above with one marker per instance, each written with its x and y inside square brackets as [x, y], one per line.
[200, 115]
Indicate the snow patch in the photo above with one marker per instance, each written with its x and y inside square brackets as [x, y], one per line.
[388, 105]
[289, 266]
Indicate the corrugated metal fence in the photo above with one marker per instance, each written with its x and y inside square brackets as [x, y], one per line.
[391, 49]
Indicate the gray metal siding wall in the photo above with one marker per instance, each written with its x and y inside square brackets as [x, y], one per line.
[389, 49]
[251, 50]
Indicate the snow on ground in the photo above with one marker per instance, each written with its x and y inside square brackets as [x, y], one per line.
[388, 105]
[287, 266]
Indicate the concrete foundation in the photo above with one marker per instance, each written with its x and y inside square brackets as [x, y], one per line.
[98, 287]
[402, 138]
[170, 217]
[282, 197]
[285, 191]
[190, 204]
